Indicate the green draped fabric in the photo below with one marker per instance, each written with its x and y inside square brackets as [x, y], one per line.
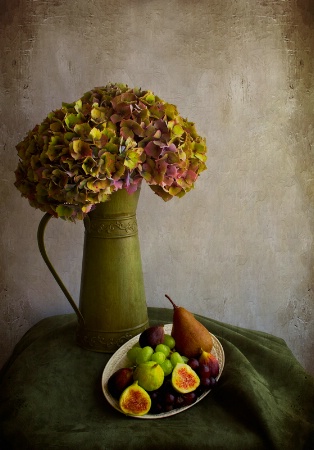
[51, 397]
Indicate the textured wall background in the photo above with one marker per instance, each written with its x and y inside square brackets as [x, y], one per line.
[239, 247]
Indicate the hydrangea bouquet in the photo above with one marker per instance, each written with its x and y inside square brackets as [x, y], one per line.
[112, 138]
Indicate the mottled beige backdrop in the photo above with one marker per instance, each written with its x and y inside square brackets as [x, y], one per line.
[238, 248]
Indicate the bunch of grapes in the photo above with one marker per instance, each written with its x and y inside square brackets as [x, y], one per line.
[163, 354]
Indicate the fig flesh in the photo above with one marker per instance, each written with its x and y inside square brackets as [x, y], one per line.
[134, 400]
[152, 336]
[184, 379]
[120, 380]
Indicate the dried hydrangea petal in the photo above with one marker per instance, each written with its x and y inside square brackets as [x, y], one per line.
[111, 138]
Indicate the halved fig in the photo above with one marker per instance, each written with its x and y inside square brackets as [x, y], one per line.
[135, 401]
[184, 379]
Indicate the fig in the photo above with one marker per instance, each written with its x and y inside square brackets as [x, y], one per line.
[150, 375]
[120, 380]
[152, 336]
[204, 358]
[184, 379]
[134, 400]
[211, 361]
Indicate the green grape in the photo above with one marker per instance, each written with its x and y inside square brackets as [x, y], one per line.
[185, 359]
[163, 348]
[144, 355]
[158, 357]
[166, 367]
[175, 358]
[169, 341]
[133, 353]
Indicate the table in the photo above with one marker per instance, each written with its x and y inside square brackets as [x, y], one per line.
[51, 397]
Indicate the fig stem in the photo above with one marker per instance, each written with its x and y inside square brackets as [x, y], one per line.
[173, 304]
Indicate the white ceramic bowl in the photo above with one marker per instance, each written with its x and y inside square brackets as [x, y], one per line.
[120, 360]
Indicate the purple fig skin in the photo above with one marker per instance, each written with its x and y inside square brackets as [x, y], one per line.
[209, 360]
[152, 336]
[119, 381]
[205, 357]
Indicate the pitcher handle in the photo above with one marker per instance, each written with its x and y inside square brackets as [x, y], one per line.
[42, 249]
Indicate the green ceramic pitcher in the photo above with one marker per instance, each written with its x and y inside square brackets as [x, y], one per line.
[112, 306]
